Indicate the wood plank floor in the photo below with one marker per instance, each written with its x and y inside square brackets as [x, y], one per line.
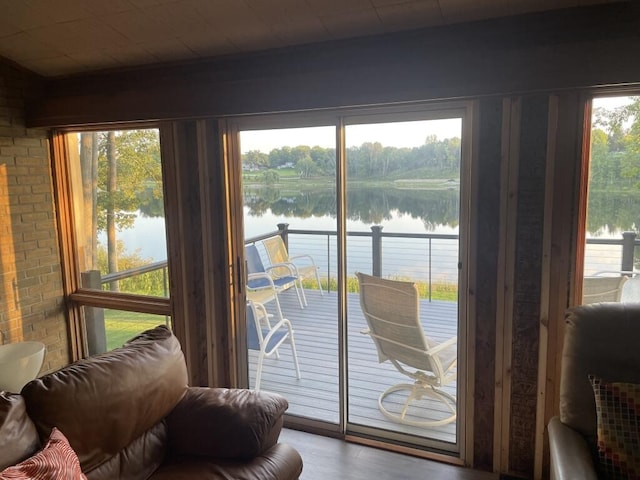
[330, 458]
[316, 396]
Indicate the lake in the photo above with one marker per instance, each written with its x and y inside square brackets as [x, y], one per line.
[402, 211]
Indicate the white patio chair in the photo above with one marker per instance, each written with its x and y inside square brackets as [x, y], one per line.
[602, 289]
[392, 311]
[261, 286]
[302, 266]
[266, 339]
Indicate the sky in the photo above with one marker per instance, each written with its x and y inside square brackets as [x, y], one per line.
[611, 102]
[398, 134]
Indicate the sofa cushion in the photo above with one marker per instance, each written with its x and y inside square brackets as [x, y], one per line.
[104, 403]
[280, 462]
[601, 339]
[55, 461]
[18, 435]
[245, 422]
[137, 460]
[618, 413]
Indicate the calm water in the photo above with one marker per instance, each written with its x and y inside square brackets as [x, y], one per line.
[398, 212]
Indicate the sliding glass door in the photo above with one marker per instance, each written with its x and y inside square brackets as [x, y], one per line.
[289, 191]
[403, 234]
[378, 193]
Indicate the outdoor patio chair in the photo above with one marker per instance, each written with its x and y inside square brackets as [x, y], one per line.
[602, 289]
[303, 266]
[266, 339]
[392, 311]
[263, 287]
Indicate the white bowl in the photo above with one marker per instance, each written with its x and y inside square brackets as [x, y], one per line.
[19, 364]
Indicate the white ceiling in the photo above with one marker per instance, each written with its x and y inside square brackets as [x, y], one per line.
[63, 37]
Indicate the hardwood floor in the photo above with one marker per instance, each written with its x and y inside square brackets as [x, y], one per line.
[330, 458]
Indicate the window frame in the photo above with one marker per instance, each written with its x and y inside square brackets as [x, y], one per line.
[76, 296]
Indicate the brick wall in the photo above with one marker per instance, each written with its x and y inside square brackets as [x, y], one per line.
[31, 301]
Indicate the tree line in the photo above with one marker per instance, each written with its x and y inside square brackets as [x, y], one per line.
[435, 158]
[615, 148]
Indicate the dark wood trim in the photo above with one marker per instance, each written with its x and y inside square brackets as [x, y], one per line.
[217, 254]
[195, 182]
[572, 123]
[562, 49]
[63, 196]
[234, 204]
[183, 207]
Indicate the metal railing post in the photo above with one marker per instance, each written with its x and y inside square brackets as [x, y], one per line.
[430, 289]
[328, 264]
[376, 250]
[283, 228]
[628, 249]
[93, 316]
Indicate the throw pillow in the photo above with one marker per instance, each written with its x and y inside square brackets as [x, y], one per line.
[56, 460]
[618, 413]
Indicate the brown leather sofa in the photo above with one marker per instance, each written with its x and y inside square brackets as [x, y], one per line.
[129, 414]
[601, 339]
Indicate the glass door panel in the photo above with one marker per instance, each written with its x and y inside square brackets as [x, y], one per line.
[403, 224]
[611, 265]
[289, 178]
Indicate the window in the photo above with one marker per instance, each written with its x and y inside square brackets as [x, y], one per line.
[118, 226]
[613, 205]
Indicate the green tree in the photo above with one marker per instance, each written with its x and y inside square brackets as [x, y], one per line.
[254, 159]
[124, 172]
[270, 177]
[150, 283]
[305, 167]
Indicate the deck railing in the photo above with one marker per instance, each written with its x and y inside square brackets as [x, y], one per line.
[93, 279]
[447, 248]
[622, 249]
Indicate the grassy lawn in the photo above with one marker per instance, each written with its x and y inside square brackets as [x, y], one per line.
[439, 291]
[122, 326]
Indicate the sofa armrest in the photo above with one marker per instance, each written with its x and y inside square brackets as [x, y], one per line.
[569, 453]
[225, 423]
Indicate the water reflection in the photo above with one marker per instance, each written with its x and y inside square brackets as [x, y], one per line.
[369, 206]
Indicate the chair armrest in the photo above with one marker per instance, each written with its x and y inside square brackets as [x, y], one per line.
[441, 346]
[293, 270]
[303, 255]
[569, 453]
[225, 423]
[260, 276]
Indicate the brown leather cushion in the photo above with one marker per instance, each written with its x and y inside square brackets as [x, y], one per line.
[280, 462]
[104, 403]
[18, 435]
[601, 339]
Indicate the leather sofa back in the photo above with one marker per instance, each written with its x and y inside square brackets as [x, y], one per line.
[111, 406]
[601, 339]
[18, 435]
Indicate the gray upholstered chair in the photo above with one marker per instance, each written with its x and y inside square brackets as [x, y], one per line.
[601, 339]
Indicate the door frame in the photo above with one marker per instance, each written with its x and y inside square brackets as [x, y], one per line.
[468, 111]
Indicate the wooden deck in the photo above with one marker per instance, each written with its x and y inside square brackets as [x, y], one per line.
[316, 396]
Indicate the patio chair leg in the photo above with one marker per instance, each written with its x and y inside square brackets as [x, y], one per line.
[278, 309]
[298, 294]
[319, 284]
[304, 297]
[294, 354]
[259, 371]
